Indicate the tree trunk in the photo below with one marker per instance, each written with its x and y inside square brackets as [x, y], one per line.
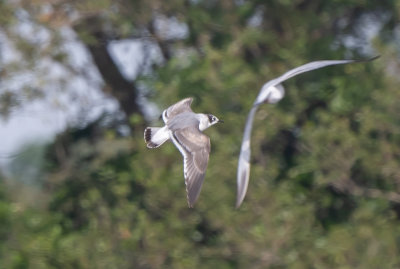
[123, 90]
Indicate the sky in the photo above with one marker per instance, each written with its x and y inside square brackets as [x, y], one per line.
[40, 120]
[80, 99]
[23, 128]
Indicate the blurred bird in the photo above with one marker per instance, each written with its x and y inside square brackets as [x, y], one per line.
[271, 92]
[184, 128]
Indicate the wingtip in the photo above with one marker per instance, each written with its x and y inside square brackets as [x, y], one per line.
[190, 203]
[374, 58]
[239, 199]
[242, 181]
[190, 200]
[188, 99]
[367, 60]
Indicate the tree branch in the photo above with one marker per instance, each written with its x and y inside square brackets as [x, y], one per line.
[162, 44]
[124, 91]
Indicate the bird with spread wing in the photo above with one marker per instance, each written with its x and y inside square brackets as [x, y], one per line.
[271, 92]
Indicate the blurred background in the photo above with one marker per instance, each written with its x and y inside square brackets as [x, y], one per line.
[80, 80]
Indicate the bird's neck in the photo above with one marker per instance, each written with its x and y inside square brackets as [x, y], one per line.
[204, 123]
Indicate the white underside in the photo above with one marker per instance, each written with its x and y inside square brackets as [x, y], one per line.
[272, 94]
[161, 136]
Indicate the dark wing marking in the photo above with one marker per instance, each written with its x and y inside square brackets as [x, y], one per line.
[195, 148]
[180, 107]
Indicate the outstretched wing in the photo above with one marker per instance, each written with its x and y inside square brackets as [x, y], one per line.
[195, 148]
[243, 172]
[180, 107]
[301, 69]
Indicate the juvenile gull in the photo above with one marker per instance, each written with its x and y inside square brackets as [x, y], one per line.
[184, 128]
[271, 92]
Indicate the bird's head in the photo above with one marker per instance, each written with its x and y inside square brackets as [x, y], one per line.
[208, 120]
[213, 120]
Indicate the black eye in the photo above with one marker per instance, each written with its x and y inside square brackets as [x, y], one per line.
[211, 118]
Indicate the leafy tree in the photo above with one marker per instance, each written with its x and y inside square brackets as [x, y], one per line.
[324, 189]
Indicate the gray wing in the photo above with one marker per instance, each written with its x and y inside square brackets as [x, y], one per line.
[243, 172]
[195, 148]
[180, 107]
[301, 69]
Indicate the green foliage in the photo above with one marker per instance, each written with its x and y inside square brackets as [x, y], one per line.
[324, 185]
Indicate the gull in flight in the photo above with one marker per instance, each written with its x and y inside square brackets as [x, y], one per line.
[184, 128]
[271, 92]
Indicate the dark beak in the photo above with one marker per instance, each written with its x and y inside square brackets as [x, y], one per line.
[221, 121]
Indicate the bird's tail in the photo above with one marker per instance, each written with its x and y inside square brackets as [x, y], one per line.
[155, 136]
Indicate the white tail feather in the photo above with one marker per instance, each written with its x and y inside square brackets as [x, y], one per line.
[155, 136]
